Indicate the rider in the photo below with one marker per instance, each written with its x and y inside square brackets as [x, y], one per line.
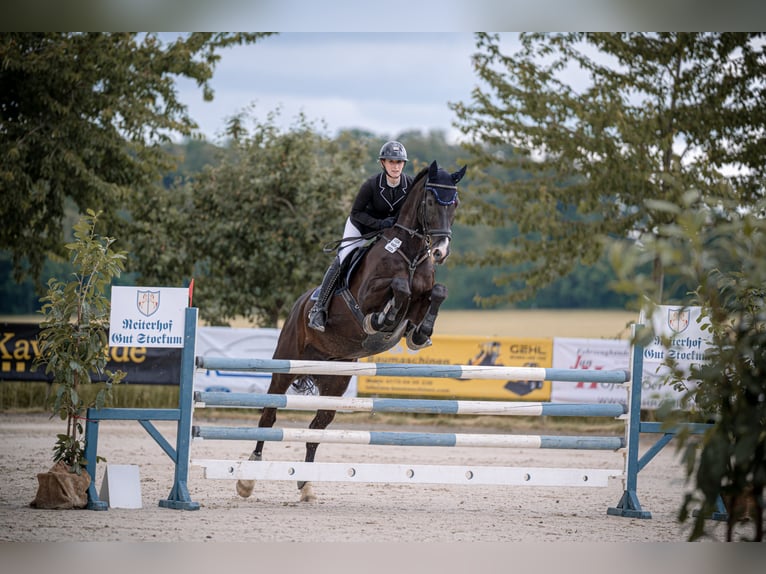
[375, 208]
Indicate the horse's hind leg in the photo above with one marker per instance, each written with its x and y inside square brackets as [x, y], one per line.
[420, 336]
[279, 385]
[333, 386]
[321, 420]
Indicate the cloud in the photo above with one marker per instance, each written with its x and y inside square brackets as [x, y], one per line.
[384, 83]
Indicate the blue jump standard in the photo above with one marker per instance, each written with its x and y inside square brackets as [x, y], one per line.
[179, 497]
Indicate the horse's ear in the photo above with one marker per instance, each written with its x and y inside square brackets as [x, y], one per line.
[458, 175]
[433, 169]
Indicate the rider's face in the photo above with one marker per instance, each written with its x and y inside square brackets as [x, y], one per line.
[393, 167]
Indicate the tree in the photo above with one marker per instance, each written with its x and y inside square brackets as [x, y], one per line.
[82, 117]
[721, 249]
[650, 116]
[73, 335]
[256, 223]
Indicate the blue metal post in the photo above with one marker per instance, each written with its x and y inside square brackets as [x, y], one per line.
[629, 506]
[91, 450]
[179, 497]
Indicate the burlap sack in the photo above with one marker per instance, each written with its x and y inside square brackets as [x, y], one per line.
[60, 489]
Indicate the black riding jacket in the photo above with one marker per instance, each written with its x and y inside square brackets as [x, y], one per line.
[377, 201]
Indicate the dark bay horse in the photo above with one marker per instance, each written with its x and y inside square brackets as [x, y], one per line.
[390, 293]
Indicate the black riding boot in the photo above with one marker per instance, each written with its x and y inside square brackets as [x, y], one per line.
[318, 313]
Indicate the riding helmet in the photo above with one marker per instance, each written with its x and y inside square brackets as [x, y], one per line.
[393, 150]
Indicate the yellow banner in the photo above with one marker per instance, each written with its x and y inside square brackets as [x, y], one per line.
[460, 350]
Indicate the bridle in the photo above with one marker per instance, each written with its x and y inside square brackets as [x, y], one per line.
[445, 195]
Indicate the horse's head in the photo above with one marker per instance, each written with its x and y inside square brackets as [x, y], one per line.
[438, 209]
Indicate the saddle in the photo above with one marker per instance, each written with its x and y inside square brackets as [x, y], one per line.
[348, 267]
[352, 262]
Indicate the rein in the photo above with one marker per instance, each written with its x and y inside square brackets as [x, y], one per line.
[335, 245]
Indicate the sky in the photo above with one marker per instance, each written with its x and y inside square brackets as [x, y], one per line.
[385, 83]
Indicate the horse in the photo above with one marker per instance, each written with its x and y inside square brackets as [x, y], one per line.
[387, 292]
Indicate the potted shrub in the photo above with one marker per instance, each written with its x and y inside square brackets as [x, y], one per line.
[74, 350]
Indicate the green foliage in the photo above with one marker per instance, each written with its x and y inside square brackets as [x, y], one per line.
[720, 246]
[159, 230]
[250, 229]
[73, 336]
[83, 116]
[565, 162]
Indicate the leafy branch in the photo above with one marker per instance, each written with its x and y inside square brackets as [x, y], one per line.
[74, 335]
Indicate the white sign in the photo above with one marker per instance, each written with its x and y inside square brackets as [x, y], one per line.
[148, 316]
[590, 355]
[688, 345]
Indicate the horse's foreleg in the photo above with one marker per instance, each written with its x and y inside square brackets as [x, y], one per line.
[322, 419]
[420, 336]
[386, 319]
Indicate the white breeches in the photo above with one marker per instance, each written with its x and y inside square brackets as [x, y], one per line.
[349, 231]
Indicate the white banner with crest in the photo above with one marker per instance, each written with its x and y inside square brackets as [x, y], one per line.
[688, 346]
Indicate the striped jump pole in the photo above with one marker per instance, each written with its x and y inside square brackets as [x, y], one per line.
[407, 438]
[410, 370]
[422, 406]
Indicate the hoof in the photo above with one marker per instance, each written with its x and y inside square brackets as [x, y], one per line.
[245, 487]
[307, 493]
[414, 346]
[317, 320]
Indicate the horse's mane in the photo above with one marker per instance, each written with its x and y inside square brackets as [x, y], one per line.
[421, 174]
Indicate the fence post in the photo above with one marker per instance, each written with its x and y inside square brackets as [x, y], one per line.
[179, 497]
[629, 506]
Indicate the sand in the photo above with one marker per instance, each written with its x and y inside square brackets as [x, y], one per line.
[343, 512]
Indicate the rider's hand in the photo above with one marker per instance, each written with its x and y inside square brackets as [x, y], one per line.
[387, 222]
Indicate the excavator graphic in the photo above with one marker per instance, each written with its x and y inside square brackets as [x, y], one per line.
[488, 355]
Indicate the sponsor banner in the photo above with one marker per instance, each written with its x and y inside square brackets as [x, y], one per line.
[590, 355]
[148, 316]
[242, 344]
[19, 348]
[688, 345]
[458, 350]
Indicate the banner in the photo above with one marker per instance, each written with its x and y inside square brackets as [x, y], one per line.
[457, 350]
[590, 355]
[242, 344]
[19, 348]
[147, 365]
[688, 345]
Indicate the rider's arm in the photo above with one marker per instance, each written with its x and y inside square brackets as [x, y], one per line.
[360, 217]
